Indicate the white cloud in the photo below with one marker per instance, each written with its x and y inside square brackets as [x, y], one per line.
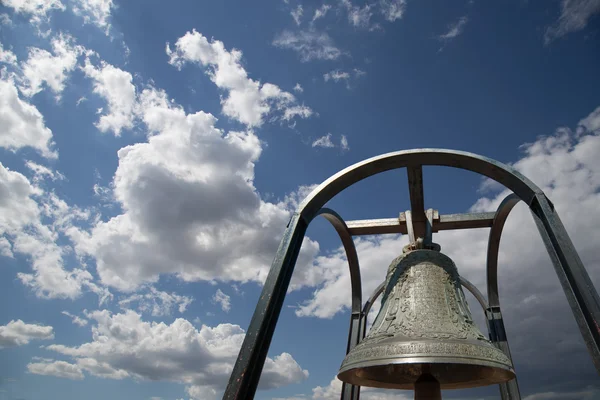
[323, 141]
[454, 29]
[37, 9]
[223, 300]
[156, 302]
[336, 75]
[116, 87]
[76, 319]
[21, 223]
[43, 67]
[5, 20]
[248, 101]
[392, 9]
[357, 16]
[298, 88]
[297, 14]
[189, 205]
[310, 45]
[18, 333]
[124, 345]
[95, 12]
[7, 56]
[22, 123]
[333, 390]
[42, 172]
[60, 369]
[591, 122]
[344, 143]
[574, 16]
[321, 12]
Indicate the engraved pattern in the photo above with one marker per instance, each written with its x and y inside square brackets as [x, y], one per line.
[401, 350]
[423, 301]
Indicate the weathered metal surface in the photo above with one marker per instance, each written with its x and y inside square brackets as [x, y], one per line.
[424, 326]
[349, 392]
[417, 206]
[581, 294]
[251, 359]
[441, 223]
[493, 169]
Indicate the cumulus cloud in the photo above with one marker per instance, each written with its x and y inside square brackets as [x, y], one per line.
[189, 205]
[156, 302]
[60, 369]
[574, 17]
[124, 345]
[23, 208]
[37, 10]
[248, 101]
[454, 29]
[116, 87]
[333, 390]
[95, 12]
[298, 88]
[22, 123]
[7, 56]
[18, 333]
[43, 67]
[310, 45]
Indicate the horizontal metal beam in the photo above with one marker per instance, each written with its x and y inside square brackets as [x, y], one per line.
[440, 223]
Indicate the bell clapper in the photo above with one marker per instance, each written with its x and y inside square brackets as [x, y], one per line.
[427, 388]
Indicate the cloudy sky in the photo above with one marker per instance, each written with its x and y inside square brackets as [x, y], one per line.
[151, 155]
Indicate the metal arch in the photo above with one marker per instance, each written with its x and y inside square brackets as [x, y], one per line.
[349, 392]
[502, 213]
[493, 169]
[475, 292]
[340, 226]
[577, 285]
[509, 390]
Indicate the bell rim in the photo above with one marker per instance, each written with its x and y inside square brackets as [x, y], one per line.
[506, 372]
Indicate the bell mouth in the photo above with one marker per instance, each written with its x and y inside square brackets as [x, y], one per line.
[450, 375]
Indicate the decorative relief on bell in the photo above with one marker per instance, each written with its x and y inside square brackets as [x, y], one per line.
[424, 326]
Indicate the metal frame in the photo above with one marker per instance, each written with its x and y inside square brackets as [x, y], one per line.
[578, 288]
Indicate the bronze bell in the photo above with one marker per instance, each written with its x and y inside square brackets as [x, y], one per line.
[424, 337]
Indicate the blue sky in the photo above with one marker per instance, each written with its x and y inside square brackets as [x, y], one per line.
[151, 155]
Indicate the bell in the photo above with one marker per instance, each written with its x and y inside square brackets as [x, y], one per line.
[424, 337]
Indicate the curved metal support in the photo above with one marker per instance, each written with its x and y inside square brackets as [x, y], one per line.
[475, 292]
[509, 390]
[340, 226]
[576, 283]
[502, 213]
[349, 392]
[501, 173]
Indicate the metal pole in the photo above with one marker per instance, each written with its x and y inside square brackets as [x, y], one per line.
[248, 368]
[572, 275]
